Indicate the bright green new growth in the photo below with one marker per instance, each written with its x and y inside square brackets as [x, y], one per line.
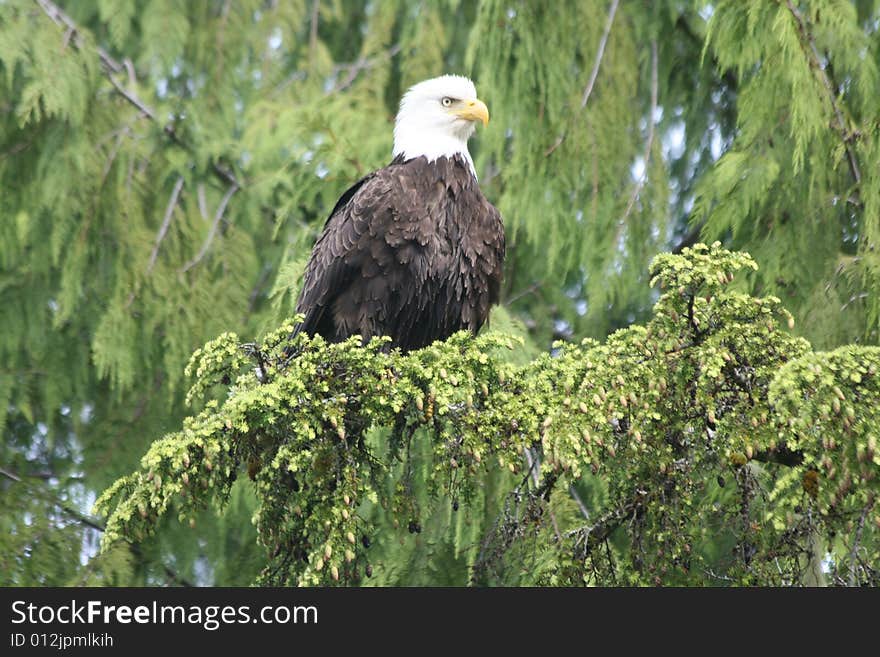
[723, 448]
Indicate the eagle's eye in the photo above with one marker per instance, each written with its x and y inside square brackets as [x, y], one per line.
[447, 101]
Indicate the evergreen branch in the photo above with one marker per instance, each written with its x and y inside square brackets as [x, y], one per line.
[534, 467]
[649, 144]
[166, 222]
[726, 75]
[9, 475]
[522, 293]
[853, 553]
[58, 17]
[111, 67]
[114, 151]
[217, 217]
[65, 508]
[593, 535]
[362, 64]
[808, 43]
[313, 28]
[577, 498]
[354, 69]
[689, 238]
[87, 521]
[588, 90]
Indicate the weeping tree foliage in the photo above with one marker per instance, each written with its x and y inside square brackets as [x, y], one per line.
[727, 449]
[802, 169]
[166, 166]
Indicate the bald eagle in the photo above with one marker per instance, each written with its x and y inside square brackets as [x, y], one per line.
[414, 250]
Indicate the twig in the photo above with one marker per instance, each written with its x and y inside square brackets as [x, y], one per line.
[217, 217]
[112, 67]
[534, 467]
[588, 90]
[577, 498]
[62, 19]
[808, 42]
[313, 28]
[91, 523]
[689, 239]
[113, 153]
[166, 222]
[10, 475]
[724, 578]
[203, 206]
[853, 553]
[360, 65]
[70, 511]
[255, 292]
[649, 144]
[522, 293]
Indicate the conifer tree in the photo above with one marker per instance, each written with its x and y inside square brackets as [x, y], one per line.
[165, 168]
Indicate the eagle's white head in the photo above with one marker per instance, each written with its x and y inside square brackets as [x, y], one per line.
[437, 117]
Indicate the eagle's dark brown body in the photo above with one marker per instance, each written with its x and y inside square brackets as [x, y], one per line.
[413, 251]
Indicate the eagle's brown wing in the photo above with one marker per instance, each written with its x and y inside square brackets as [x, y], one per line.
[338, 255]
[413, 251]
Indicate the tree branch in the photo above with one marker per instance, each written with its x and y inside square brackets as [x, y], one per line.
[853, 553]
[577, 498]
[808, 43]
[689, 238]
[111, 67]
[595, 534]
[166, 222]
[360, 65]
[217, 217]
[61, 19]
[534, 467]
[588, 90]
[313, 28]
[649, 143]
[91, 523]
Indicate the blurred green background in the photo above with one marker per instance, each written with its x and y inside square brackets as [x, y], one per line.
[165, 167]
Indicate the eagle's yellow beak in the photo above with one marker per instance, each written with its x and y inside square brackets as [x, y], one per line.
[474, 109]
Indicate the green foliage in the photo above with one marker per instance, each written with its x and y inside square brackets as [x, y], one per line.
[166, 166]
[712, 390]
[802, 169]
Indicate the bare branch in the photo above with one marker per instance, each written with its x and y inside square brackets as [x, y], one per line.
[599, 54]
[217, 217]
[853, 553]
[203, 206]
[137, 102]
[577, 498]
[166, 222]
[10, 475]
[588, 90]
[534, 466]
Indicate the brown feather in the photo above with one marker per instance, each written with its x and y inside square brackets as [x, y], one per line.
[413, 251]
